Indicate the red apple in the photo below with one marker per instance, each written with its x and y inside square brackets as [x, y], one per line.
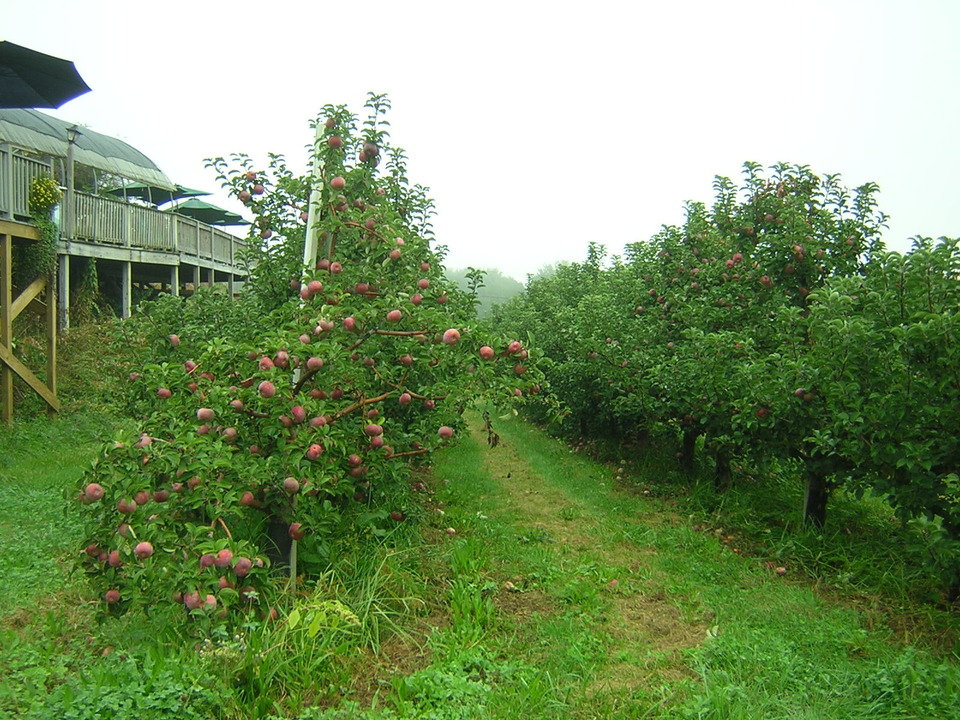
[126, 506]
[451, 336]
[266, 389]
[242, 566]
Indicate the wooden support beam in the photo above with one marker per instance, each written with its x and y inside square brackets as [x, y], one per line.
[20, 230]
[63, 291]
[6, 326]
[25, 374]
[27, 297]
[52, 345]
[126, 290]
[10, 308]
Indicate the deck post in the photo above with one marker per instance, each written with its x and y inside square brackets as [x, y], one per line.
[175, 280]
[51, 333]
[71, 196]
[126, 292]
[6, 327]
[63, 292]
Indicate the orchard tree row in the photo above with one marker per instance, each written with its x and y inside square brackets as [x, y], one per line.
[771, 326]
[274, 428]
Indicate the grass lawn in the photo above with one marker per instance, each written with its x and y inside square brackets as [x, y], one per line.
[530, 581]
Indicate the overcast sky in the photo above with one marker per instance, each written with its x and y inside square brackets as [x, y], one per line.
[537, 126]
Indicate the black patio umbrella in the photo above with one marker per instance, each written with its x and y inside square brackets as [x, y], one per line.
[153, 194]
[207, 213]
[31, 79]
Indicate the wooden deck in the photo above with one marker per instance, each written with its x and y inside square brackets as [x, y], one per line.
[133, 244]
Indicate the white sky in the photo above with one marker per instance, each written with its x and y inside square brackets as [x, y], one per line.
[537, 126]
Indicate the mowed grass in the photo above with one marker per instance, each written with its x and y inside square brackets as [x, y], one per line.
[44, 615]
[532, 582]
[721, 635]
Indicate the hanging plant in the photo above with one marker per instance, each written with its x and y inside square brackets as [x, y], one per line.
[45, 194]
[40, 258]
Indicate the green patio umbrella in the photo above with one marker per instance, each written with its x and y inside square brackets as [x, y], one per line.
[153, 194]
[207, 213]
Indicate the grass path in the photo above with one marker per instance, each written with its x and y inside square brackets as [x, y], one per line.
[645, 626]
[628, 609]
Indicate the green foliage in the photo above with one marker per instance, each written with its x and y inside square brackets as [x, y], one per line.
[152, 688]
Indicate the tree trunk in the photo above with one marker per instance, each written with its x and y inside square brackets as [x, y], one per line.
[953, 592]
[815, 500]
[721, 478]
[278, 549]
[688, 450]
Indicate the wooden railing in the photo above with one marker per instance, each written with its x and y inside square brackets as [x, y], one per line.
[117, 222]
[16, 174]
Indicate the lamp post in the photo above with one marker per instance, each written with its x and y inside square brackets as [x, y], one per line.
[72, 132]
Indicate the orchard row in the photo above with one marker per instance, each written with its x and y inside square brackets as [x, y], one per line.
[771, 325]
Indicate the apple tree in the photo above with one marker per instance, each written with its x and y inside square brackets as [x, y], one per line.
[273, 446]
[885, 346]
